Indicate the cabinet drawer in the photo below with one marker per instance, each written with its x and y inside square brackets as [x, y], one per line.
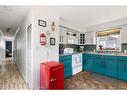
[88, 55]
[65, 59]
[67, 63]
[66, 56]
[122, 59]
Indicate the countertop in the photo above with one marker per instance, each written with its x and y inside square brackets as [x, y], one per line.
[110, 54]
[70, 54]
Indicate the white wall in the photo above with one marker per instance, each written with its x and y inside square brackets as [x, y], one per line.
[20, 40]
[39, 53]
[71, 26]
[107, 25]
[46, 53]
[112, 24]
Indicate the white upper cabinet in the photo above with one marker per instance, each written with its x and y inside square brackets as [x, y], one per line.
[68, 36]
[63, 35]
[72, 37]
[124, 34]
[90, 38]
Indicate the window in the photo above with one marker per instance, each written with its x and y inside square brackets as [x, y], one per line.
[109, 39]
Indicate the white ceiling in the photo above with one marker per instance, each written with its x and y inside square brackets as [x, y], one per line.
[11, 17]
[82, 16]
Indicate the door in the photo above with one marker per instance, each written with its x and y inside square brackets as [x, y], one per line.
[122, 70]
[63, 35]
[57, 78]
[99, 65]
[89, 62]
[111, 66]
[8, 45]
[76, 60]
[28, 65]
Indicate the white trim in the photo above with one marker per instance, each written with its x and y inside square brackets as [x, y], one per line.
[21, 72]
[26, 56]
[18, 29]
[31, 86]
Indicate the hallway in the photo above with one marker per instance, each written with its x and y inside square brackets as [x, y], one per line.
[11, 78]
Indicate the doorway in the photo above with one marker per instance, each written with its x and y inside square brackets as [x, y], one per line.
[28, 64]
[8, 47]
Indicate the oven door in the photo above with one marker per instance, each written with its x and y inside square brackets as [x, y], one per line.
[76, 60]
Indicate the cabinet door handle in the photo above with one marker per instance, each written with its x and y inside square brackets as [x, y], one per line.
[62, 38]
[53, 79]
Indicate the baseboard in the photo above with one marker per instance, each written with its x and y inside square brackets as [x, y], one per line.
[21, 73]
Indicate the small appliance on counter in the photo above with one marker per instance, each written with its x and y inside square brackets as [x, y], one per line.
[68, 51]
[81, 49]
[51, 75]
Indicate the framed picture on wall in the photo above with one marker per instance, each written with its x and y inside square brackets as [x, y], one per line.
[52, 41]
[42, 23]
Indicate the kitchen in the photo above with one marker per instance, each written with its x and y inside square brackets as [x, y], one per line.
[103, 61]
[72, 48]
[91, 53]
[54, 48]
[100, 54]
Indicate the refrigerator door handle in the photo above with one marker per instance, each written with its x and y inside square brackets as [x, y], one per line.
[53, 79]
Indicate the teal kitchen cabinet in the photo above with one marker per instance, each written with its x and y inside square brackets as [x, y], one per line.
[111, 66]
[67, 61]
[99, 64]
[84, 61]
[88, 62]
[122, 68]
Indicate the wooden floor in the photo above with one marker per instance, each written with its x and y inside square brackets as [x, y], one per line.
[88, 80]
[11, 78]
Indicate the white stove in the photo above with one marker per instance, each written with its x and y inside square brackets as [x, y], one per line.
[76, 63]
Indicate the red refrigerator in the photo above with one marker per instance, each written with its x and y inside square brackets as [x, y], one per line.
[51, 75]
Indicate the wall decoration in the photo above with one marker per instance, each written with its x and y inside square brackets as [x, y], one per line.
[47, 32]
[43, 39]
[53, 26]
[42, 23]
[52, 41]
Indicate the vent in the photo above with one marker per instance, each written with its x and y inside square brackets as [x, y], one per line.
[8, 29]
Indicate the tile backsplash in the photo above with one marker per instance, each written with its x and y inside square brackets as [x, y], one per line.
[75, 47]
[90, 47]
